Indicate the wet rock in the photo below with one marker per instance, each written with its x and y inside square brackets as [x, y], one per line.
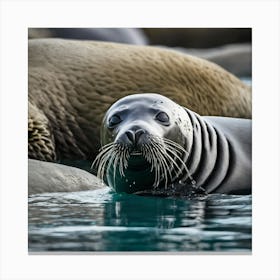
[52, 177]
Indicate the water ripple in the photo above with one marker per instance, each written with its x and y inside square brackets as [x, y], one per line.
[102, 220]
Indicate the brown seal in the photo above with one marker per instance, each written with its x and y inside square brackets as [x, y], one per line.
[73, 83]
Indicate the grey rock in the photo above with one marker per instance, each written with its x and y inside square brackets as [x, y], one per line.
[236, 58]
[53, 177]
[119, 35]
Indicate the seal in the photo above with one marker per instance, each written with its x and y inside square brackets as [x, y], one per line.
[73, 83]
[46, 177]
[150, 142]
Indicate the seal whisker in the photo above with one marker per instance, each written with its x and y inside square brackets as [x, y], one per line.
[161, 155]
[185, 167]
[171, 159]
[163, 167]
[123, 155]
[107, 145]
[103, 163]
[113, 157]
[103, 151]
[167, 157]
[101, 167]
[126, 157]
[175, 145]
[121, 164]
[149, 156]
[158, 162]
[121, 159]
[168, 143]
[115, 162]
[155, 166]
[151, 159]
[102, 159]
[177, 170]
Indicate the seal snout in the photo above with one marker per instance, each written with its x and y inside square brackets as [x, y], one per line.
[134, 135]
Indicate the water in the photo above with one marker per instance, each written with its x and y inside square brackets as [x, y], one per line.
[105, 221]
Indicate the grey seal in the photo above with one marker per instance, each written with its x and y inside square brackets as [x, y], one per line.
[151, 143]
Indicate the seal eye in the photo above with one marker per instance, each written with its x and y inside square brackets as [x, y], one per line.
[114, 120]
[163, 118]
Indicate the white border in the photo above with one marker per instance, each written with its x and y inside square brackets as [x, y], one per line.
[262, 16]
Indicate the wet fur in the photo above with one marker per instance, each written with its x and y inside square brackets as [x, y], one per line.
[73, 83]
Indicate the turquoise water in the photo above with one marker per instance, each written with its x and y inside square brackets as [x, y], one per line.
[102, 220]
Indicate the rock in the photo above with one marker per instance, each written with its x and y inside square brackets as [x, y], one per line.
[53, 177]
[198, 37]
[119, 35]
[236, 58]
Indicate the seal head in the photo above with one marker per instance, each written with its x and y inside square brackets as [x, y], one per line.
[144, 138]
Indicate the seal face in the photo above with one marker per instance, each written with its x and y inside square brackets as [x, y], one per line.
[143, 139]
[149, 142]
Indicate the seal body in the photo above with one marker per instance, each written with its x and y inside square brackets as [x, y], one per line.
[150, 142]
[46, 177]
[73, 83]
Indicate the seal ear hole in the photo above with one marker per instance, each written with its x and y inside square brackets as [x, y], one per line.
[163, 118]
[114, 120]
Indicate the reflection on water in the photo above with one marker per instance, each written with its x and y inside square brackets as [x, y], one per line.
[102, 220]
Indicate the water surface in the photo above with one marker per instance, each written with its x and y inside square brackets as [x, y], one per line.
[103, 220]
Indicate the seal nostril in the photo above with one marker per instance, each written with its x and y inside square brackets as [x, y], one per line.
[130, 135]
[138, 133]
[133, 136]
